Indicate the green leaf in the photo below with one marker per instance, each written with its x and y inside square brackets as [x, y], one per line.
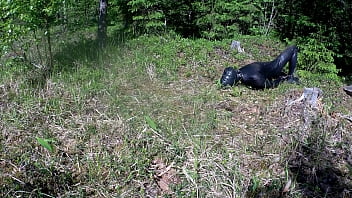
[151, 123]
[45, 143]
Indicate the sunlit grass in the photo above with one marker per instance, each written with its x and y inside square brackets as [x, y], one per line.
[147, 118]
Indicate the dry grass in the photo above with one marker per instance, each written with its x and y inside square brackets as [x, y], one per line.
[84, 134]
[207, 142]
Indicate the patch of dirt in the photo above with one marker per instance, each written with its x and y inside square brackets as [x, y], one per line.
[165, 176]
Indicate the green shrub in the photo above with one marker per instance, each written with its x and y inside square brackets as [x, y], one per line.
[315, 59]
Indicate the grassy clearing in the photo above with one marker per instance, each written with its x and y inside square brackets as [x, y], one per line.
[149, 120]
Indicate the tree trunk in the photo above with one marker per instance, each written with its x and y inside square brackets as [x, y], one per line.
[102, 25]
[49, 66]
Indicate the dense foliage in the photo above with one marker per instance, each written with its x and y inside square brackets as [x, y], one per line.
[26, 28]
[316, 60]
[331, 20]
[214, 19]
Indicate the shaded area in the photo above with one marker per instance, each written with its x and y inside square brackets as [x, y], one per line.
[322, 170]
[39, 181]
[83, 48]
[320, 161]
[75, 53]
[271, 191]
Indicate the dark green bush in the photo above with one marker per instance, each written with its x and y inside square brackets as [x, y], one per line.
[316, 60]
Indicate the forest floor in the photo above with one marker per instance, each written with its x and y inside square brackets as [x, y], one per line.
[147, 118]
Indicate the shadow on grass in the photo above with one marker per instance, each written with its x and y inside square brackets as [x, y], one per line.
[321, 170]
[75, 50]
[39, 182]
[70, 51]
[271, 191]
[83, 48]
[71, 55]
[320, 165]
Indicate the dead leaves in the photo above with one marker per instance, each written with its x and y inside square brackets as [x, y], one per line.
[164, 175]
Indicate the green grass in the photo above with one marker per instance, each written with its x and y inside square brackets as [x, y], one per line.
[149, 111]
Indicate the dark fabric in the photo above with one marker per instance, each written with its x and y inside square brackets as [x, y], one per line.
[229, 76]
[259, 75]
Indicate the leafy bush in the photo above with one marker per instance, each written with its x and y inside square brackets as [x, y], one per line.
[315, 59]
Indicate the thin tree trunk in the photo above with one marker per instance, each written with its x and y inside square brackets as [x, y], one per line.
[49, 67]
[102, 25]
[271, 19]
[65, 20]
[37, 48]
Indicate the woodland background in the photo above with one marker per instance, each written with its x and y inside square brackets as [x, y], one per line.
[315, 26]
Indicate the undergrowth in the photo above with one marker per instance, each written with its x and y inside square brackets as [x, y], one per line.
[146, 118]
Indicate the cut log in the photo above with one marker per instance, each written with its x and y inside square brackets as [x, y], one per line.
[237, 45]
[310, 96]
[348, 90]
